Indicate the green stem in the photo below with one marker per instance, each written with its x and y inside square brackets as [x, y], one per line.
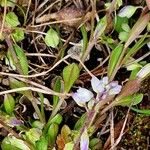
[85, 39]
[37, 110]
[57, 108]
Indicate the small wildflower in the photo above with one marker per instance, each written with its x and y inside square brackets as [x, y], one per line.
[82, 96]
[114, 88]
[99, 85]
[84, 143]
[104, 88]
[15, 122]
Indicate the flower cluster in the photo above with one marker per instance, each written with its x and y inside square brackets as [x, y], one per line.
[102, 87]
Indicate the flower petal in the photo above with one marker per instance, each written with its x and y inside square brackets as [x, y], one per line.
[105, 80]
[84, 143]
[115, 90]
[97, 85]
[82, 96]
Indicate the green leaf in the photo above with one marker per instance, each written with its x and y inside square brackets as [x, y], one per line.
[85, 39]
[56, 119]
[57, 88]
[18, 84]
[144, 72]
[138, 27]
[95, 144]
[69, 146]
[37, 124]
[41, 96]
[130, 100]
[11, 20]
[9, 61]
[9, 104]
[114, 57]
[126, 27]
[148, 27]
[137, 46]
[119, 22]
[141, 111]
[52, 133]
[100, 28]
[22, 59]
[52, 38]
[70, 75]
[134, 73]
[18, 34]
[127, 11]
[134, 66]
[11, 142]
[33, 135]
[42, 144]
[8, 3]
[119, 3]
[80, 122]
[123, 36]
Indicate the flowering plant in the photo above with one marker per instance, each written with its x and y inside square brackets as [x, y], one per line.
[102, 87]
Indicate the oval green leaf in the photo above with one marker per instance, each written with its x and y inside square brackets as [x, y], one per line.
[9, 104]
[22, 59]
[130, 100]
[11, 20]
[70, 75]
[18, 34]
[52, 38]
[114, 57]
[52, 133]
[42, 144]
[11, 142]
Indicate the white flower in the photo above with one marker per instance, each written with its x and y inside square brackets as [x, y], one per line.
[99, 85]
[104, 88]
[82, 96]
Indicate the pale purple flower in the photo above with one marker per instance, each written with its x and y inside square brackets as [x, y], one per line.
[84, 143]
[114, 88]
[103, 87]
[15, 122]
[82, 96]
[98, 85]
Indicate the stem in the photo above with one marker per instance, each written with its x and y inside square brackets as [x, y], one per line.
[92, 39]
[37, 110]
[85, 39]
[89, 119]
[57, 108]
